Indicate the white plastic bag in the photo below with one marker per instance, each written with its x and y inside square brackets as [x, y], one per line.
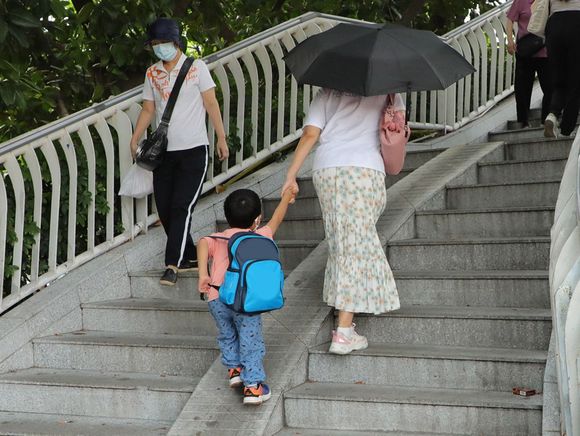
[137, 183]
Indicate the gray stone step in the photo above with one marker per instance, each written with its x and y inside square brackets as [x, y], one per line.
[293, 252]
[393, 408]
[470, 254]
[543, 148]
[496, 327]
[124, 352]
[87, 393]
[511, 288]
[518, 171]
[21, 424]
[306, 228]
[431, 366]
[145, 284]
[317, 432]
[414, 159]
[494, 195]
[304, 207]
[150, 315]
[484, 223]
[518, 134]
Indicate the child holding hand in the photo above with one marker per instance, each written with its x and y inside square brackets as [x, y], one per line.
[239, 335]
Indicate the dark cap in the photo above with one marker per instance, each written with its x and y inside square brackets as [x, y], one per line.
[164, 29]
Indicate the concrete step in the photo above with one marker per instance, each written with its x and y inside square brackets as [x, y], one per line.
[150, 315]
[518, 134]
[305, 228]
[495, 327]
[317, 432]
[511, 288]
[88, 393]
[21, 424]
[394, 408]
[495, 195]
[484, 223]
[470, 254]
[125, 352]
[293, 252]
[145, 285]
[431, 366]
[542, 148]
[414, 159]
[304, 207]
[518, 171]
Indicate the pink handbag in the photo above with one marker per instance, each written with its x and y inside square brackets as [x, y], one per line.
[394, 134]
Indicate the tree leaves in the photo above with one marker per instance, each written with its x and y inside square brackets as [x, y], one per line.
[23, 18]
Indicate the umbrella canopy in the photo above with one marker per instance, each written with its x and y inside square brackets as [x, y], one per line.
[369, 59]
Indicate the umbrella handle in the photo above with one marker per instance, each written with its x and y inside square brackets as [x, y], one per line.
[408, 105]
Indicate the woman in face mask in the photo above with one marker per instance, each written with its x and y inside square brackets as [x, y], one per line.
[178, 181]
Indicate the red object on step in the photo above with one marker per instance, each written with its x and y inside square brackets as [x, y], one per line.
[524, 392]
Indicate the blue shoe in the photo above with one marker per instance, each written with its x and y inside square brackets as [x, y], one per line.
[256, 395]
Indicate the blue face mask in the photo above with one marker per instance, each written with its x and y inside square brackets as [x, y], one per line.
[166, 51]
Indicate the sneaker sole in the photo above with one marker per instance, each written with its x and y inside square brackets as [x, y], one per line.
[235, 383]
[549, 131]
[256, 401]
[342, 349]
[187, 269]
[166, 283]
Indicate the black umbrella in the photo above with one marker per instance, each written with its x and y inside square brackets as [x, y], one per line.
[370, 59]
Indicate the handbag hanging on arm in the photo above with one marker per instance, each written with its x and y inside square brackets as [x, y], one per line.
[394, 134]
[151, 150]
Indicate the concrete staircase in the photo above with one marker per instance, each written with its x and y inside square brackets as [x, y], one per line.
[475, 319]
[136, 361]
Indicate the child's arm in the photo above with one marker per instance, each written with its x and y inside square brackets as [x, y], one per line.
[202, 257]
[287, 196]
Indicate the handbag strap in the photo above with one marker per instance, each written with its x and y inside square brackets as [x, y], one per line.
[175, 91]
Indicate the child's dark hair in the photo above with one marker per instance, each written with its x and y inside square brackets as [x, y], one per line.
[241, 208]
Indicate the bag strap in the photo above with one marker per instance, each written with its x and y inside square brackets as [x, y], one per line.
[175, 91]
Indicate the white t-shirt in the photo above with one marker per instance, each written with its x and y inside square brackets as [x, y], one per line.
[187, 127]
[560, 6]
[350, 129]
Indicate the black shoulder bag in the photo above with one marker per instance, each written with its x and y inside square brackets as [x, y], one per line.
[151, 151]
[529, 45]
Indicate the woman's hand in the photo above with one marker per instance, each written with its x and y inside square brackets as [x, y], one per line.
[511, 47]
[222, 149]
[293, 186]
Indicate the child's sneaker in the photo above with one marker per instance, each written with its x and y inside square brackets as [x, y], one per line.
[256, 395]
[235, 379]
[344, 345]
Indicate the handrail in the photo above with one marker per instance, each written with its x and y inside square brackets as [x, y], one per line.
[62, 178]
[565, 291]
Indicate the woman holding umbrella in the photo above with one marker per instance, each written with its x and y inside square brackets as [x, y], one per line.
[357, 65]
[349, 178]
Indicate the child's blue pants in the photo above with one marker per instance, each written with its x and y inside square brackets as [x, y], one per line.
[241, 342]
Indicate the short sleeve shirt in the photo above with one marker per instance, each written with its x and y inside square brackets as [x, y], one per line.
[521, 11]
[187, 127]
[218, 254]
[350, 129]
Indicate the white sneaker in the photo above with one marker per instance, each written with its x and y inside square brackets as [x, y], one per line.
[343, 345]
[551, 127]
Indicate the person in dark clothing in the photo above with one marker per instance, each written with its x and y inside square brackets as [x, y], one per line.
[178, 182]
[527, 67]
[563, 42]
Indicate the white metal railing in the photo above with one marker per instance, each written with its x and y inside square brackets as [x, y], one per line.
[262, 106]
[565, 291]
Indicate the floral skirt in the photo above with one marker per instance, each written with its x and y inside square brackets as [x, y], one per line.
[358, 277]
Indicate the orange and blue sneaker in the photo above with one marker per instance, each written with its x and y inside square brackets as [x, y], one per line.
[256, 395]
[235, 379]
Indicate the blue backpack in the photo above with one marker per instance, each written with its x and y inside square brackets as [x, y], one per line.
[254, 280]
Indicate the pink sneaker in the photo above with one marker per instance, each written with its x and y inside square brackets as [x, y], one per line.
[343, 345]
